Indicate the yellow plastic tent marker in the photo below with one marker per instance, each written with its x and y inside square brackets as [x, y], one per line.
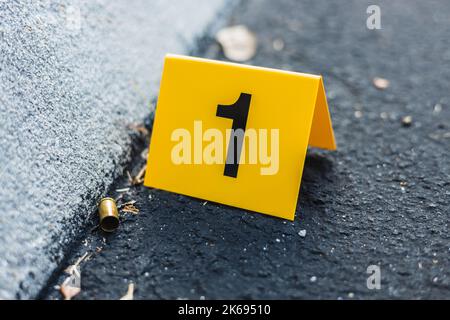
[236, 134]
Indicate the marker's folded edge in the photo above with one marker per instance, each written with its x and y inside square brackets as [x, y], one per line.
[322, 134]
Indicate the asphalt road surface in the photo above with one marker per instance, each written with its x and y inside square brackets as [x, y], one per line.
[381, 199]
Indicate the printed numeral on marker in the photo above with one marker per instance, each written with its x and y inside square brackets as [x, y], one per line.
[238, 112]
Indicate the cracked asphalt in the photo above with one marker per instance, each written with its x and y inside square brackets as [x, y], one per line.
[381, 199]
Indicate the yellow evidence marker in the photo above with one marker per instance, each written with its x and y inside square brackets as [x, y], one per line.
[236, 134]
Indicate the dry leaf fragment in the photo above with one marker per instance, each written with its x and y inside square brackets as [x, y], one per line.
[380, 83]
[126, 204]
[69, 291]
[72, 284]
[130, 292]
[238, 43]
[130, 208]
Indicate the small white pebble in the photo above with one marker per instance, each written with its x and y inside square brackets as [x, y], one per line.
[202, 297]
[380, 83]
[407, 121]
[437, 108]
[278, 44]
[302, 233]
[351, 295]
[277, 240]
[313, 279]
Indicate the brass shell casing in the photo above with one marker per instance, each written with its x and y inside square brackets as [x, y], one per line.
[108, 214]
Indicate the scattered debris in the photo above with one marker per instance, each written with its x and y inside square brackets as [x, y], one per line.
[140, 176]
[123, 190]
[140, 128]
[130, 292]
[144, 154]
[126, 203]
[130, 178]
[130, 208]
[302, 233]
[205, 203]
[238, 43]
[108, 214]
[95, 228]
[439, 136]
[351, 295]
[380, 83]
[313, 279]
[278, 44]
[437, 108]
[407, 121]
[71, 286]
[119, 197]
[358, 114]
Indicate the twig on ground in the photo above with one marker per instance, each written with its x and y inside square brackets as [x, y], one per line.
[130, 292]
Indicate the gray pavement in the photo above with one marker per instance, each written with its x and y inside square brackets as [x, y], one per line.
[74, 75]
[381, 199]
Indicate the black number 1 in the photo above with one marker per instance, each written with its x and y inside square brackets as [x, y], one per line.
[238, 112]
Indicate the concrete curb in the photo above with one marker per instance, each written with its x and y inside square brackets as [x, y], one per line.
[73, 76]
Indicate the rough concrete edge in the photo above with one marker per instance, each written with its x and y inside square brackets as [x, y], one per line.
[90, 204]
